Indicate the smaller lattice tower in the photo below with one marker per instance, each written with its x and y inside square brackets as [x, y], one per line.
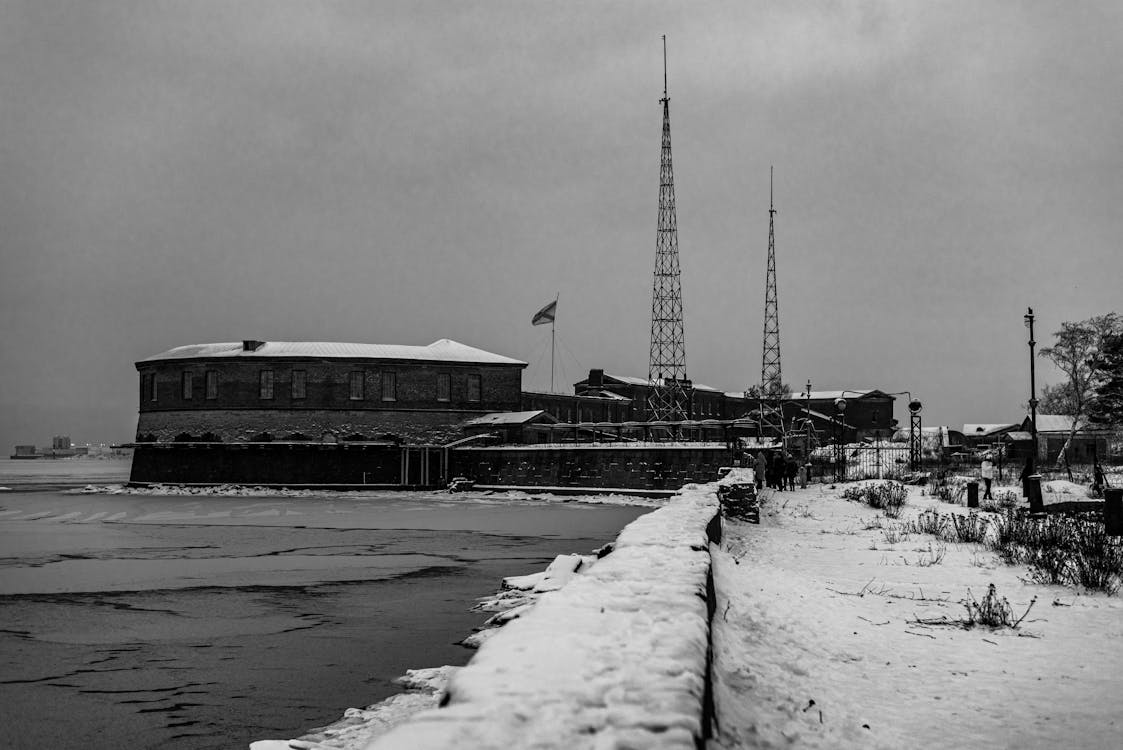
[771, 379]
[669, 399]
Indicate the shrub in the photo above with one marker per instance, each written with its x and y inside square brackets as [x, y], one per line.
[1097, 559]
[888, 497]
[928, 522]
[991, 611]
[1060, 549]
[949, 489]
[1003, 500]
[1048, 565]
[969, 528]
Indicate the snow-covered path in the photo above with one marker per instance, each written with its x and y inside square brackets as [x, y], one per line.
[816, 642]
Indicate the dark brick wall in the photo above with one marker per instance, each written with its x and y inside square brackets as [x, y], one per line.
[569, 408]
[328, 385]
[240, 414]
[626, 468]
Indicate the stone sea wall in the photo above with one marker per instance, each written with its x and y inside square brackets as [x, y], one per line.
[618, 657]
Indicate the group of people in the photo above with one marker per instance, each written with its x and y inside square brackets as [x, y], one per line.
[778, 472]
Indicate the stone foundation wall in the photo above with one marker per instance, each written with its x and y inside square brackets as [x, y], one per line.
[286, 464]
[571, 466]
[245, 425]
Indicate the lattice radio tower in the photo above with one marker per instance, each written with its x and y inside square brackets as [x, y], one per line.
[668, 399]
[771, 380]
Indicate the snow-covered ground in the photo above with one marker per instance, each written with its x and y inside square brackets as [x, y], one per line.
[817, 641]
[832, 629]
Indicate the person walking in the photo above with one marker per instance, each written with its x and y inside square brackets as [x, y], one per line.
[777, 472]
[1027, 472]
[987, 472]
[1099, 479]
[791, 469]
[760, 469]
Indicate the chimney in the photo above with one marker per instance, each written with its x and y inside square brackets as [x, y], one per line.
[596, 378]
[249, 345]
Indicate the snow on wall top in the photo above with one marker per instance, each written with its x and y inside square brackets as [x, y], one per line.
[616, 658]
[444, 350]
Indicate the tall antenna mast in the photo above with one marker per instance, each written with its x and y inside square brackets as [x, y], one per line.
[669, 399]
[771, 379]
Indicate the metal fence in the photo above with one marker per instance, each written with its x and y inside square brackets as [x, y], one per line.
[877, 460]
[885, 460]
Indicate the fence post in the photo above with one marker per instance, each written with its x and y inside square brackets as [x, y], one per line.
[1113, 511]
[972, 494]
[1033, 485]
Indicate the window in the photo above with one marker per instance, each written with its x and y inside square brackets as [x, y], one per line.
[875, 416]
[444, 386]
[148, 386]
[266, 381]
[474, 388]
[212, 384]
[389, 386]
[357, 386]
[187, 386]
[299, 383]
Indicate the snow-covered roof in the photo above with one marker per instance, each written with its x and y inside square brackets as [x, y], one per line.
[985, 429]
[823, 395]
[444, 350]
[832, 395]
[508, 417]
[1056, 423]
[644, 381]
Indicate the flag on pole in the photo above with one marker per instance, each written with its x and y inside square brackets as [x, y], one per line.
[545, 315]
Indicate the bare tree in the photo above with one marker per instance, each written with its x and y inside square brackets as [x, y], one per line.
[1076, 354]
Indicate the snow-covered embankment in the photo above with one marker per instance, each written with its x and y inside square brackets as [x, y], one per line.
[619, 655]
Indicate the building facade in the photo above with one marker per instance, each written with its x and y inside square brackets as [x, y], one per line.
[256, 391]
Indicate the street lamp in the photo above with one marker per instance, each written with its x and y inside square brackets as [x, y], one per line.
[807, 424]
[1032, 393]
[840, 453]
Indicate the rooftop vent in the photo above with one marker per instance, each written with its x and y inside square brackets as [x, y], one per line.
[249, 345]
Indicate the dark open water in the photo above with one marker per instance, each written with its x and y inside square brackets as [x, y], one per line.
[201, 622]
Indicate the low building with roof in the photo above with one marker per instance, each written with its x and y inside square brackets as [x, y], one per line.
[988, 435]
[704, 402]
[1085, 444]
[266, 391]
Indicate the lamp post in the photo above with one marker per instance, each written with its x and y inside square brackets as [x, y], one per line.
[1032, 393]
[807, 424]
[840, 453]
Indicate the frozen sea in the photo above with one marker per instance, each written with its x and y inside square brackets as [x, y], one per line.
[171, 621]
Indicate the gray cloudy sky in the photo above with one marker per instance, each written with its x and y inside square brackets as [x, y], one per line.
[399, 172]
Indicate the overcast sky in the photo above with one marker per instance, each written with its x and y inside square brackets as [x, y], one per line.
[399, 172]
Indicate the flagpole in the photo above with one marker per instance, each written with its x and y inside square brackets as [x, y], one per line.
[552, 338]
